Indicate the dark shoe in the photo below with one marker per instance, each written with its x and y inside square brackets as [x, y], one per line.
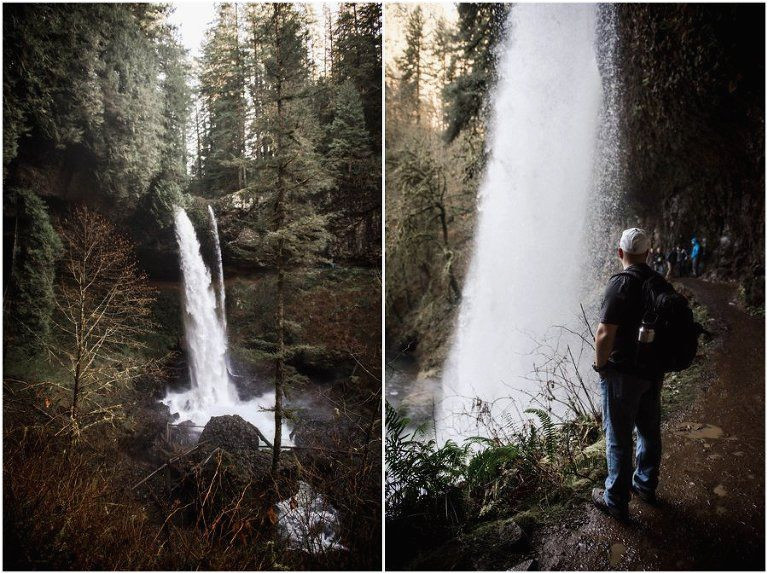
[598, 499]
[647, 496]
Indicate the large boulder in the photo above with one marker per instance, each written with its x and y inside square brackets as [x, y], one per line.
[228, 466]
[232, 433]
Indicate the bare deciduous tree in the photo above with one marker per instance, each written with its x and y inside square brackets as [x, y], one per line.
[103, 311]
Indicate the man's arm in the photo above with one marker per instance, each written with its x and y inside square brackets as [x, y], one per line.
[604, 338]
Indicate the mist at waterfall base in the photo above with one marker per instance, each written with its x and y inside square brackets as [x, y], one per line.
[529, 254]
[212, 391]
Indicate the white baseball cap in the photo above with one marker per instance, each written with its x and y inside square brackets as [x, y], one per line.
[634, 241]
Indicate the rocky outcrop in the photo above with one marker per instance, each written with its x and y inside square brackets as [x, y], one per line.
[229, 465]
[231, 433]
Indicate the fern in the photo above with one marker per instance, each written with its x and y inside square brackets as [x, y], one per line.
[548, 428]
[487, 465]
[418, 469]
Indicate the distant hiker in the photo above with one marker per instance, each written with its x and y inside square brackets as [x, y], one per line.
[658, 261]
[682, 262]
[645, 330]
[695, 257]
[671, 262]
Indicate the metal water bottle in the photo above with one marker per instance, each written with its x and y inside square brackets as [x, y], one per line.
[646, 334]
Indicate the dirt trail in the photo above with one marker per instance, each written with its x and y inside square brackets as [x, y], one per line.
[712, 482]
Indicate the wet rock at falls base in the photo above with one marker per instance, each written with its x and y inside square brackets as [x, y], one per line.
[232, 433]
[228, 458]
[237, 437]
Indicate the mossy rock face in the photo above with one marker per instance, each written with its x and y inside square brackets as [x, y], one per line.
[495, 545]
[528, 519]
[321, 362]
[503, 534]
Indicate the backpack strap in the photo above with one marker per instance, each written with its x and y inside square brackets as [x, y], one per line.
[636, 274]
[646, 293]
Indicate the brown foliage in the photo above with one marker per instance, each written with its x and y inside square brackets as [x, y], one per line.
[103, 304]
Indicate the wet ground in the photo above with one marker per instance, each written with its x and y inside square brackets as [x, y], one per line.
[712, 512]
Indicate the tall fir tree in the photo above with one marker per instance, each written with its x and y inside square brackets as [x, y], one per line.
[357, 57]
[356, 171]
[176, 104]
[34, 251]
[411, 63]
[481, 28]
[222, 94]
[292, 177]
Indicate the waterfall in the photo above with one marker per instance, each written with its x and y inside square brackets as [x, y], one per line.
[212, 392]
[528, 257]
[222, 294]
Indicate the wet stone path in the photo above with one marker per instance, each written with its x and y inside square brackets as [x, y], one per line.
[712, 510]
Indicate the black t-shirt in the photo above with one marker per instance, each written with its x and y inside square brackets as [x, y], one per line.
[623, 305]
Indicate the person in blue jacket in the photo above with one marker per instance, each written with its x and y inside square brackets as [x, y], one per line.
[695, 256]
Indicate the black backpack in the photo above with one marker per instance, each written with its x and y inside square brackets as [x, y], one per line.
[676, 338]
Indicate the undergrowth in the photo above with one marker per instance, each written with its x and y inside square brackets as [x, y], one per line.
[540, 464]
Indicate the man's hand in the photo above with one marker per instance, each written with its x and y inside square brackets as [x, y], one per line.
[604, 338]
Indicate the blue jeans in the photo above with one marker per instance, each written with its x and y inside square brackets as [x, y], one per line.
[630, 402]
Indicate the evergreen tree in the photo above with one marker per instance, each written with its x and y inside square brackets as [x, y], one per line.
[34, 251]
[222, 94]
[82, 85]
[357, 57]
[356, 171]
[443, 69]
[411, 63]
[176, 104]
[291, 174]
[481, 28]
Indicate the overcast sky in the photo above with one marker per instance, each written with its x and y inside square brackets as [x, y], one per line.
[192, 19]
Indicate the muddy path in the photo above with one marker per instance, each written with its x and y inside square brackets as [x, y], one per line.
[712, 515]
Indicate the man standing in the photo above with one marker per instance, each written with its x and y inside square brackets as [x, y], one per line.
[631, 395]
[695, 257]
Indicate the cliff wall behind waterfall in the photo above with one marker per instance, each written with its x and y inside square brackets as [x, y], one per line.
[693, 80]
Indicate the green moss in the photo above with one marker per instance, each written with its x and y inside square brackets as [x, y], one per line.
[753, 310]
[20, 364]
[529, 519]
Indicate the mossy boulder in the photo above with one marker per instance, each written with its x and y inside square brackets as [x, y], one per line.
[228, 466]
[496, 545]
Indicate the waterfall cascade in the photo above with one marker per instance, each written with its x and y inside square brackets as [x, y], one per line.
[525, 274]
[212, 392]
[222, 292]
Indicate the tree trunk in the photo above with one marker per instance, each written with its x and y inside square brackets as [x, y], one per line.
[199, 143]
[279, 222]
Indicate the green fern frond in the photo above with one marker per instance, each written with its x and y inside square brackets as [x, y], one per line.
[548, 428]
